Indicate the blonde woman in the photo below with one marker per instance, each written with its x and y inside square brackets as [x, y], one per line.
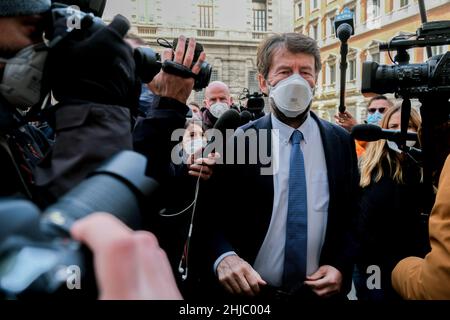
[391, 226]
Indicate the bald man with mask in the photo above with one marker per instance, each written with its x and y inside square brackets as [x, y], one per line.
[217, 101]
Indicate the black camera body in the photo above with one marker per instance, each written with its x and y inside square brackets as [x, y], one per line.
[148, 62]
[254, 106]
[412, 80]
[37, 254]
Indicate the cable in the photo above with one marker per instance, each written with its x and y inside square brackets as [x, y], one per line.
[183, 267]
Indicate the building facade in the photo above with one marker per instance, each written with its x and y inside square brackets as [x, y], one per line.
[229, 30]
[376, 21]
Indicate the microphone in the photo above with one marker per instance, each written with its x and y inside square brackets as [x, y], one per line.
[229, 120]
[246, 117]
[344, 31]
[344, 27]
[370, 132]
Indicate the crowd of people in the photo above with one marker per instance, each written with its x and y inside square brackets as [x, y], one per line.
[299, 211]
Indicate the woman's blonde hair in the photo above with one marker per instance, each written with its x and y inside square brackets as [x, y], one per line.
[377, 153]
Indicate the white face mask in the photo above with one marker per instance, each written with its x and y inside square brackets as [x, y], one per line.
[22, 77]
[292, 96]
[190, 147]
[218, 109]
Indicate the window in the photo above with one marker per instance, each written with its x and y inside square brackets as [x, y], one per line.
[331, 25]
[259, 20]
[214, 75]
[300, 9]
[314, 4]
[315, 31]
[352, 69]
[146, 11]
[332, 74]
[253, 85]
[373, 9]
[206, 12]
[404, 3]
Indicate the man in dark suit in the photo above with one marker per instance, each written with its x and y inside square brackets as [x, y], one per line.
[291, 229]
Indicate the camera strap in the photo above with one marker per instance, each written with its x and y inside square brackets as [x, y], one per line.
[178, 69]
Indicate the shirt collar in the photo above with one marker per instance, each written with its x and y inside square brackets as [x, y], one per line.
[285, 131]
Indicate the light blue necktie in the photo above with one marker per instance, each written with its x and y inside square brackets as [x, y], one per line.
[297, 217]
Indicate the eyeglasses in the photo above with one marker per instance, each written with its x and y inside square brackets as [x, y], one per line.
[380, 110]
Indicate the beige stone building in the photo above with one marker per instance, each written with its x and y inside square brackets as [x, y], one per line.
[375, 21]
[230, 30]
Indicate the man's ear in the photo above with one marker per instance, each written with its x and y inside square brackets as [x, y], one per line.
[263, 84]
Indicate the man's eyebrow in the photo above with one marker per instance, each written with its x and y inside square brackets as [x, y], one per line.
[283, 66]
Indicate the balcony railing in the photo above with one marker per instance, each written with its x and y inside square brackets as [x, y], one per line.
[205, 33]
[259, 35]
[146, 30]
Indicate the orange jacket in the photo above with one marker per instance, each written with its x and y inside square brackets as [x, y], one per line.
[360, 147]
[429, 278]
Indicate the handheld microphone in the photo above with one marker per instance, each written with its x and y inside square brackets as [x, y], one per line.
[344, 27]
[246, 117]
[229, 120]
[370, 132]
[344, 31]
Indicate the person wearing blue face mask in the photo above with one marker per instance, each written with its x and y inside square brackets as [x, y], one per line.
[376, 108]
[291, 238]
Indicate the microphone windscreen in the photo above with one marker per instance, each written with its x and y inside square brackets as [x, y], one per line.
[367, 132]
[344, 32]
[229, 120]
[246, 117]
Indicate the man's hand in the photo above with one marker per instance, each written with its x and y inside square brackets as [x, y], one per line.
[128, 265]
[171, 86]
[345, 120]
[326, 282]
[238, 277]
[203, 167]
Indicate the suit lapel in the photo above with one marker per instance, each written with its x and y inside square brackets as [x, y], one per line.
[263, 183]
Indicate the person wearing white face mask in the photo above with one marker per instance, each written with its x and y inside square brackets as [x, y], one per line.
[291, 238]
[391, 225]
[217, 101]
[22, 59]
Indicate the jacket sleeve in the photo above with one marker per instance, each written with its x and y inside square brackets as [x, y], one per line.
[87, 134]
[153, 135]
[429, 278]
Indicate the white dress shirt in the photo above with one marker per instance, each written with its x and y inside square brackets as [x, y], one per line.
[270, 260]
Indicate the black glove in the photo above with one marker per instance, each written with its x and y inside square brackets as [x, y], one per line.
[95, 65]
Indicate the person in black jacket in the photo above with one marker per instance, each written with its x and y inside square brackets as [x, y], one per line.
[291, 230]
[22, 146]
[391, 224]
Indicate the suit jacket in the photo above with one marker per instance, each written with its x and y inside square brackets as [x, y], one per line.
[245, 214]
[429, 278]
